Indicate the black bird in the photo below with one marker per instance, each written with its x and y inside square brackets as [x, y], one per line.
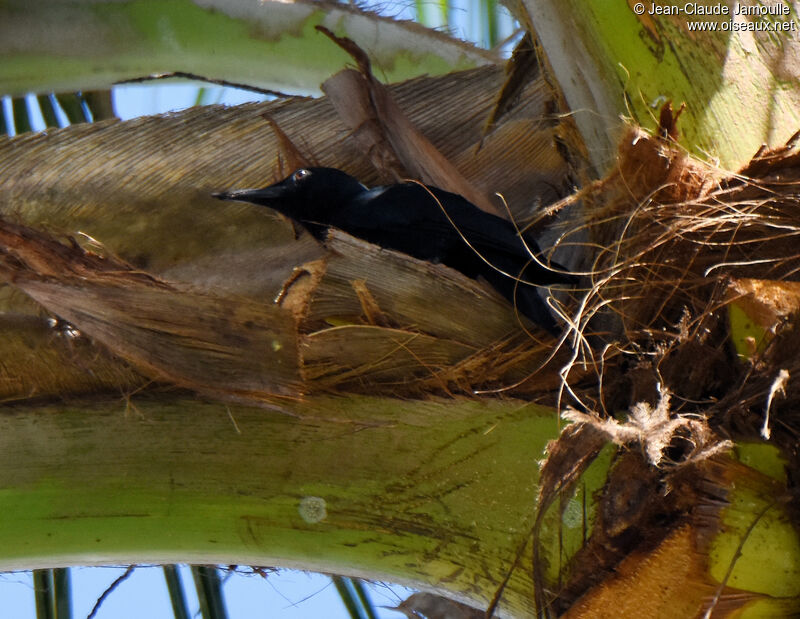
[410, 218]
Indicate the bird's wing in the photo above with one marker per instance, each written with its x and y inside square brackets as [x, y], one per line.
[499, 241]
[429, 211]
[440, 226]
[400, 217]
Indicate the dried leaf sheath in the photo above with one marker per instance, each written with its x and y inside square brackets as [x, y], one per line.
[224, 345]
[429, 298]
[445, 331]
[42, 360]
[232, 346]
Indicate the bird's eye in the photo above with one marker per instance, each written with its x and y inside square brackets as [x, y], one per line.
[301, 174]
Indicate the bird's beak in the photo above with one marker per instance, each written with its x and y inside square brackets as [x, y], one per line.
[265, 196]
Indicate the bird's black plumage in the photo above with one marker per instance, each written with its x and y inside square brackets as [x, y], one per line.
[425, 222]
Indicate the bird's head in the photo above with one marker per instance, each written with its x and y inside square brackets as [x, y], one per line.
[306, 194]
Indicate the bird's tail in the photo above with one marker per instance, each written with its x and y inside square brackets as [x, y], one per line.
[526, 298]
[521, 284]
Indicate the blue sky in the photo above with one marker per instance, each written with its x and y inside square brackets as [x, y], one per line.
[287, 594]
